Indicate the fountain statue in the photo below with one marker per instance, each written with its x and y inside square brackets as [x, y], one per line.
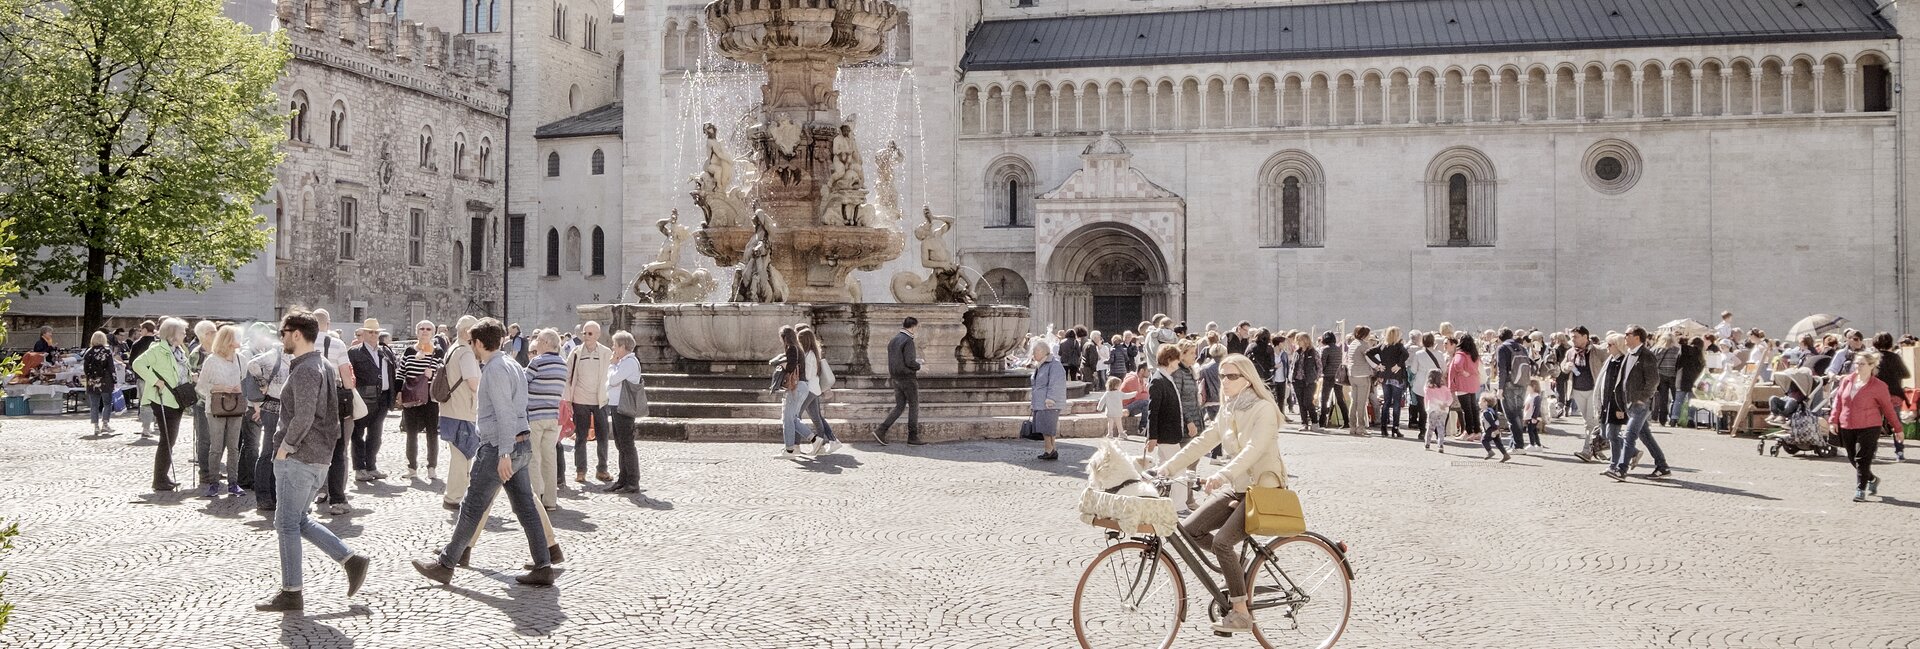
[943, 283]
[757, 280]
[886, 162]
[663, 280]
[844, 198]
[725, 205]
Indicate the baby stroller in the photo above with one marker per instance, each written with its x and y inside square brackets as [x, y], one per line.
[1807, 431]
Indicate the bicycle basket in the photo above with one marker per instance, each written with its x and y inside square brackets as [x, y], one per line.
[1129, 514]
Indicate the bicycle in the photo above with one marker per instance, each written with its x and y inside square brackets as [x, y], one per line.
[1287, 578]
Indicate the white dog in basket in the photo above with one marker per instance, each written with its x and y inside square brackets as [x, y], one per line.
[1113, 471]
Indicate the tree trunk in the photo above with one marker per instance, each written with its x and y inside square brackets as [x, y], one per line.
[94, 313]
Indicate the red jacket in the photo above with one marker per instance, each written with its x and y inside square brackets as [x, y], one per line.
[1137, 392]
[1463, 374]
[1863, 405]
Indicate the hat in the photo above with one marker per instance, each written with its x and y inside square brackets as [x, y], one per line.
[372, 324]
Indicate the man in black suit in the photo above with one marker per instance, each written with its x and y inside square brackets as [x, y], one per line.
[1629, 382]
[903, 367]
[373, 376]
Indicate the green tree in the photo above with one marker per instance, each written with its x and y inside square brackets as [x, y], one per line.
[135, 138]
[6, 543]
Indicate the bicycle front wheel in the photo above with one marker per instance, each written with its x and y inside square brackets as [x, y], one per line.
[1130, 596]
[1302, 594]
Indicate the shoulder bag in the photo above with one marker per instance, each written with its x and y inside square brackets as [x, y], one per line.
[633, 398]
[1273, 511]
[442, 389]
[227, 404]
[415, 391]
[184, 395]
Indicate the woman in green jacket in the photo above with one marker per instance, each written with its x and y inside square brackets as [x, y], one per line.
[163, 367]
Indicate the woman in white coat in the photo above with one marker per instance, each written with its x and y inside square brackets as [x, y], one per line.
[1248, 429]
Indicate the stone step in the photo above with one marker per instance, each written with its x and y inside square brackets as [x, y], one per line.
[871, 411]
[861, 432]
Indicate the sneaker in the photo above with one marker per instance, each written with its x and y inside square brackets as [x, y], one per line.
[235, 490]
[378, 475]
[362, 476]
[433, 473]
[1660, 473]
[1899, 456]
[356, 567]
[1616, 475]
[834, 447]
[819, 445]
[1873, 487]
[1583, 455]
[1504, 457]
[1183, 513]
[337, 509]
[1234, 622]
[1859, 496]
[915, 441]
[410, 474]
[1633, 462]
[880, 435]
[213, 490]
[1050, 456]
[283, 601]
[603, 476]
[1519, 450]
[787, 453]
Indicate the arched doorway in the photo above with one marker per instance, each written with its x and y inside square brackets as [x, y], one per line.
[1108, 276]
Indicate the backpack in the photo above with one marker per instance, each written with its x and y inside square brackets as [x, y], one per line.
[442, 388]
[1521, 373]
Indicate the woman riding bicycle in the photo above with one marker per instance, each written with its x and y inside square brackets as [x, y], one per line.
[1248, 429]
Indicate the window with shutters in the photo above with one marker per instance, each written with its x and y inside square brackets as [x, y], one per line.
[553, 252]
[599, 252]
[349, 226]
[516, 241]
[416, 237]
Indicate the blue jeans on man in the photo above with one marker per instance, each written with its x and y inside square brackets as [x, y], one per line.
[596, 416]
[263, 478]
[1513, 399]
[297, 483]
[1623, 437]
[483, 483]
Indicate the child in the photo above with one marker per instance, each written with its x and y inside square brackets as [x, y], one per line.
[1491, 428]
[1533, 410]
[1439, 401]
[1112, 404]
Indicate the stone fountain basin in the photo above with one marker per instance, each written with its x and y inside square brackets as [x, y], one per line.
[860, 248]
[730, 332]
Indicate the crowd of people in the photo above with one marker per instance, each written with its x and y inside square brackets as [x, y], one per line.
[1497, 388]
[283, 413]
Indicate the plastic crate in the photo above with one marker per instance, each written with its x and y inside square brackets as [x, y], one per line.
[47, 404]
[17, 406]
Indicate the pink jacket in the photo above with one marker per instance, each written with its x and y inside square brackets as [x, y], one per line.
[1864, 405]
[1463, 374]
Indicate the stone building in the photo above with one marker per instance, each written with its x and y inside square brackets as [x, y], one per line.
[1220, 160]
[391, 200]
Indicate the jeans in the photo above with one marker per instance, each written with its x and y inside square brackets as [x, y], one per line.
[367, 430]
[1392, 397]
[1512, 399]
[249, 452]
[168, 421]
[585, 415]
[99, 407]
[1303, 394]
[1663, 400]
[1860, 444]
[483, 484]
[629, 456]
[200, 439]
[906, 396]
[1635, 430]
[1220, 525]
[1416, 410]
[1139, 411]
[264, 485]
[223, 449]
[546, 439]
[139, 395]
[820, 425]
[792, 430]
[337, 470]
[298, 482]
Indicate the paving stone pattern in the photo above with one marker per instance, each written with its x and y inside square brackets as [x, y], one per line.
[973, 544]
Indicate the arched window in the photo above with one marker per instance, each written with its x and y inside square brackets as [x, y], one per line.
[1291, 213]
[460, 154]
[573, 97]
[553, 164]
[553, 252]
[1010, 188]
[670, 54]
[486, 157]
[570, 256]
[599, 162]
[426, 147]
[297, 127]
[337, 125]
[599, 251]
[1460, 199]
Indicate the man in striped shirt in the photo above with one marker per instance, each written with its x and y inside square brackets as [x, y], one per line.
[546, 382]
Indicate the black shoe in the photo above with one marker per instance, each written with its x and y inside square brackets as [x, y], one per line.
[614, 488]
[913, 440]
[433, 570]
[880, 435]
[537, 577]
[356, 566]
[1660, 473]
[1617, 476]
[627, 489]
[286, 600]
[1050, 456]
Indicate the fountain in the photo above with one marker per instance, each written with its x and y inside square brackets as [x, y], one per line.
[794, 227]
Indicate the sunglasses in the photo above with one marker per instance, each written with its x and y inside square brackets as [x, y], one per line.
[1233, 376]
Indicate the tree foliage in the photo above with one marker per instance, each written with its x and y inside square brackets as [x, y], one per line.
[136, 137]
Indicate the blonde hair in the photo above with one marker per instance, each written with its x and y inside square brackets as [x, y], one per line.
[99, 339]
[1252, 375]
[1393, 335]
[1866, 362]
[226, 341]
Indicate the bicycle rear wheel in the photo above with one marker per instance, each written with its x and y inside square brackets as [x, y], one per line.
[1130, 596]
[1301, 594]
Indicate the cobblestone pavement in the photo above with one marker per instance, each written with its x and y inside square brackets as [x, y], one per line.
[974, 545]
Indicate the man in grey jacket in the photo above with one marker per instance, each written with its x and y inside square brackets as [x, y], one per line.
[903, 368]
[310, 429]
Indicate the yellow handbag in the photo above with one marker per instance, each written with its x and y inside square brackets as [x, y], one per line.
[1273, 511]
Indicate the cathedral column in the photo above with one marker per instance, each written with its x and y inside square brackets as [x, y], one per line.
[1386, 99]
[1495, 114]
[1226, 106]
[1126, 101]
[1666, 93]
[1333, 101]
[1726, 90]
[1466, 97]
[1697, 108]
[1203, 106]
[1006, 114]
[1754, 75]
[1413, 98]
[1606, 94]
[1053, 98]
[1253, 103]
[1786, 90]
[1104, 95]
[1639, 79]
[1153, 108]
[1819, 90]
[1359, 100]
[1439, 100]
[1526, 107]
[1179, 108]
[1849, 70]
[1027, 123]
[1580, 95]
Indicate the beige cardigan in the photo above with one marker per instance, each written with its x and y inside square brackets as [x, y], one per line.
[1251, 437]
